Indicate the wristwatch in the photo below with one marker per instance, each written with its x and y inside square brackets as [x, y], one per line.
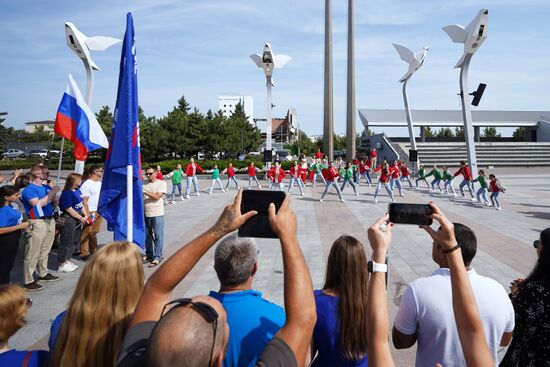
[376, 267]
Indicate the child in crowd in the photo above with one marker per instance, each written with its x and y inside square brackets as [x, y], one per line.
[448, 178]
[216, 179]
[482, 191]
[496, 189]
[176, 176]
[421, 176]
[347, 173]
[252, 175]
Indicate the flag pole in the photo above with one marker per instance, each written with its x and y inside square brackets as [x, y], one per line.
[60, 159]
[130, 204]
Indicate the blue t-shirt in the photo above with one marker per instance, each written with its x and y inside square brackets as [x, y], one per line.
[14, 358]
[54, 329]
[71, 199]
[9, 216]
[33, 191]
[253, 322]
[326, 334]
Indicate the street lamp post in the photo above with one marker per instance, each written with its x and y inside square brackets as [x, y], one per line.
[81, 45]
[268, 61]
[415, 61]
[472, 37]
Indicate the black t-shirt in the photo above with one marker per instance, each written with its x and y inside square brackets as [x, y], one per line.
[134, 349]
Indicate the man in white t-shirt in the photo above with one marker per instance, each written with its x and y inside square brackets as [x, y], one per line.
[153, 193]
[90, 189]
[426, 316]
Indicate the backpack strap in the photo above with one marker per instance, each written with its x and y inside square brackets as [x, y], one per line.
[26, 359]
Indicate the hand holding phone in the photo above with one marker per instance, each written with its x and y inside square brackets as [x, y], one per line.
[258, 225]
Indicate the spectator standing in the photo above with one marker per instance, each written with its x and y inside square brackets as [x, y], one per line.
[425, 312]
[339, 335]
[38, 200]
[89, 332]
[252, 320]
[176, 176]
[90, 189]
[75, 216]
[14, 306]
[191, 173]
[153, 193]
[531, 298]
[373, 156]
[318, 154]
[11, 226]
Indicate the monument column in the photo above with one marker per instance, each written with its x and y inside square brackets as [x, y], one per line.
[350, 120]
[328, 116]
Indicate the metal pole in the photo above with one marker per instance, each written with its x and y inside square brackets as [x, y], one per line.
[268, 145]
[350, 130]
[129, 204]
[467, 115]
[409, 122]
[90, 78]
[60, 159]
[328, 119]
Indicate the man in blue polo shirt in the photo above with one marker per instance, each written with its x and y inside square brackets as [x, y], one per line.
[38, 202]
[253, 320]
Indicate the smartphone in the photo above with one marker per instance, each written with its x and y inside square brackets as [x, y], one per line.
[258, 226]
[418, 214]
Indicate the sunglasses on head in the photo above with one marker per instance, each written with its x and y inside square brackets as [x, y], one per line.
[204, 309]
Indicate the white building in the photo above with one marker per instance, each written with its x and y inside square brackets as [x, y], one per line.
[227, 103]
[47, 125]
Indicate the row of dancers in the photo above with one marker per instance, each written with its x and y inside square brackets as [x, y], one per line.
[339, 174]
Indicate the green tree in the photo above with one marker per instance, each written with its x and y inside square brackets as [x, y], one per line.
[239, 135]
[183, 105]
[459, 132]
[491, 132]
[428, 132]
[4, 132]
[195, 136]
[105, 119]
[214, 140]
[445, 133]
[303, 146]
[519, 134]
[174, 124]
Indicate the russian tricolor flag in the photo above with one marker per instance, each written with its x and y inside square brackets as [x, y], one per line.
[76, 122]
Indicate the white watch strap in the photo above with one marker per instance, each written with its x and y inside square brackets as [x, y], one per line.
[379, 268]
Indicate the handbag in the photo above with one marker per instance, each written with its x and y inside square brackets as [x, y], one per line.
[60, 220]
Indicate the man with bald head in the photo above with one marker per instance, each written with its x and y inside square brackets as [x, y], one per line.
[194, 332]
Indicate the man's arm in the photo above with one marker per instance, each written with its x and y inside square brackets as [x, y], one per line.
[378, 350]
[46, 199]
[298, 289]
[154, 195]
[158, 289]
[506, 338]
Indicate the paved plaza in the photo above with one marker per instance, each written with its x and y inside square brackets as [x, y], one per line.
[505, 239]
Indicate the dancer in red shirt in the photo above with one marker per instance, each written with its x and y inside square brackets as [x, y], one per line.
[230, 171]
[496, 189]
[383, 180]
[252, 175]
[332, 178]
[405, 174]
[467, 181]
[318, 155]
[395, 178]
[159, 173]
[277, 175]
[295, 173]
[373, 156]
[364, 170]
[191, 173]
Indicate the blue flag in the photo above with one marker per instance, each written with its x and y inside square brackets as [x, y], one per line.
[124, 151]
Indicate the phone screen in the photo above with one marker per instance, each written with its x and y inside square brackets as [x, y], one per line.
[418, 214]
[258, 226]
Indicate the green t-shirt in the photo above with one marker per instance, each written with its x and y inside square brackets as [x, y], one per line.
[447, 175]
[421, 173]
[436, 173]
[215, 174]
[347, 172]
[482, 181]
[317, 167]
[177, 174]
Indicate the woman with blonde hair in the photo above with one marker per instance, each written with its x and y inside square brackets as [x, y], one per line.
[14, 306]
[340, 334]
[90, 331]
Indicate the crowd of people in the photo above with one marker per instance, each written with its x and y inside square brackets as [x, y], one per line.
[455, 316]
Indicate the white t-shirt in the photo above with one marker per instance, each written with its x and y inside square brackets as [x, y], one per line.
[92, 190]
[426, 309]
[154, 208]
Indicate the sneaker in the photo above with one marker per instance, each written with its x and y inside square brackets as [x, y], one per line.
[320, 200]
[32, 287]
[356, 194]
[474, 199]
[182, 198]
[198, 193]
[49, 278]
[401, 195]
[303, 194]
[342, 200]
[489, 204]
[209, 192]
[393, 200]
[187, 197]
[375, 200]
[223, 190]
[498, 208]
[259, 186]
[172, 202]
[66, 268]
[84, 258]
[73, 265]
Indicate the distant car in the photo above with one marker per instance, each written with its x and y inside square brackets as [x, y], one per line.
[53, 153]
[284, 155]
[340, 153]
[13, 153]
[40, 153]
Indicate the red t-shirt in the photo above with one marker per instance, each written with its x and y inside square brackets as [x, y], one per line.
[252, 171]
[373, 153]
[230, 171]
[318, 155]
[189, 169]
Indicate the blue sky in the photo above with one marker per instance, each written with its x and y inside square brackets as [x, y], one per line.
[200, 49]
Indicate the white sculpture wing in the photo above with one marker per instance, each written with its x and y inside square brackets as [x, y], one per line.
[100, 43]
[457, 33]
[257, 60]
[281, 60]
[404, 53]
[420, 55]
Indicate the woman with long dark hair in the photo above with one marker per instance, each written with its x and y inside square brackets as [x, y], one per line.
[531, 299]
[11, 225]
[340, 334]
